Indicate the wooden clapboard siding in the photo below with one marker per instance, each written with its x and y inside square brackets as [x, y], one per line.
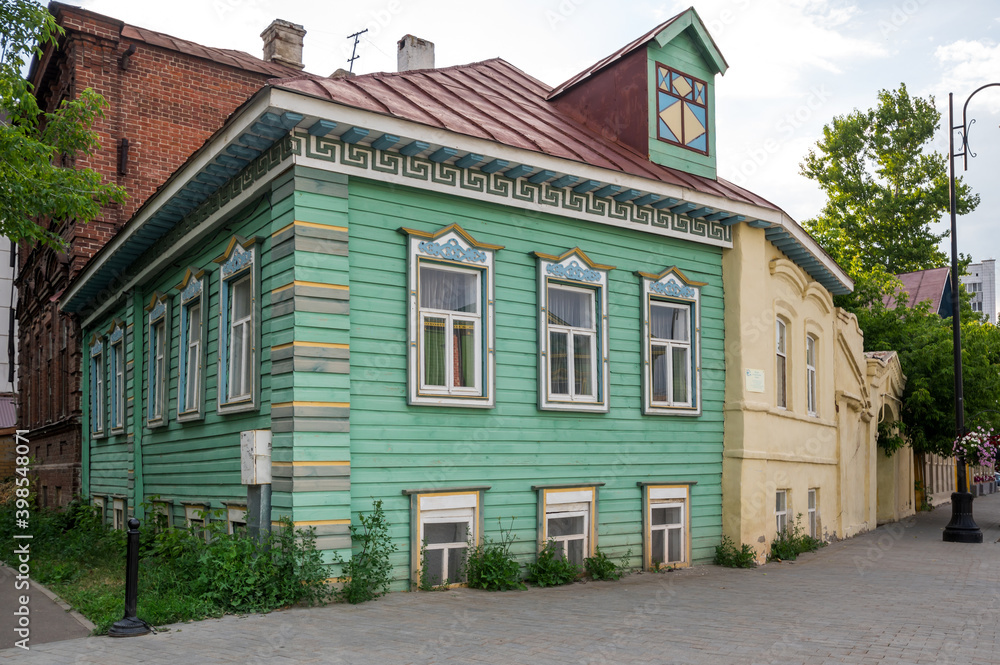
[311, 358]
[683, 54]
[110, 467]
[514, 446]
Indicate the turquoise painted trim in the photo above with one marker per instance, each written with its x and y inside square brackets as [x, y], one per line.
[322, 127]
[494, 166]
[354, 134]
[466, 162]
[385, 142]
[568, 180]
[414, 148]
[442, 154]
[138, 321]
[692, 22]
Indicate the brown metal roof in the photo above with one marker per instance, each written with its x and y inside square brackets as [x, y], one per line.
[617, 55]
[495, 101]
[923, 285]
[223, 56]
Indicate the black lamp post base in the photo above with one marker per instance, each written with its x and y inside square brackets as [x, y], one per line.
[962, 528]
[133, 627]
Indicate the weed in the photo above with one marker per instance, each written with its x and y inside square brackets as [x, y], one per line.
[491, 566]
[788, 544]
[727, 554]
[181, 577]
[368, 573]
[600, 567]
[552, 568]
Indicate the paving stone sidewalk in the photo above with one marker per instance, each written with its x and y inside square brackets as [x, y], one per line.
[895, 595]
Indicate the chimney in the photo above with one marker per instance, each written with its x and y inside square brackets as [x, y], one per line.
[414, 53]
[283, 43]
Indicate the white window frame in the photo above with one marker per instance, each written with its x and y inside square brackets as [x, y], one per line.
[556, 502]
[157, 360]
[811, 387]
[99, 503]
[196, 519]
[238, 262]
[444, 507]
[117, 375]
[780, 510]
[781, 363]
[449, 318]
[671, 288]
[573, 270]
[119, 518]
[452, 249]
[813, 513]
[666, 495]
[236, 516]
[191, 348]
[98, 398]
[572, 333]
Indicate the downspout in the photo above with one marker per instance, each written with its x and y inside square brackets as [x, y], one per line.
[85, 403]
[137, 407]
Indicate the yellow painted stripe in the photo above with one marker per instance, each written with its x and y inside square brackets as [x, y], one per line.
[323, 523]
[320, 345]
[338, 405]
[309, 463]
[318, 285]
[339, 287]
[313, 225]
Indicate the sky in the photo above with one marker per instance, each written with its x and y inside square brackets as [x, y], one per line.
[794, 65]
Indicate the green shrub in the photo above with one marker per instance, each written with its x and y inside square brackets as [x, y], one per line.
[551, 568]
[369, 572]
[600, 567]
[789, 544]
[491, 566]
[727, 554]
[181, 576]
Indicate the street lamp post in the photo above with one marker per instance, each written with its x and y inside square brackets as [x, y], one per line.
[962, 528]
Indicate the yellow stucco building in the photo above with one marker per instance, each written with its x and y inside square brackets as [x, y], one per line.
[803, 403]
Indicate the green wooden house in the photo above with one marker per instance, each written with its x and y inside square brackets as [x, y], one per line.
[459, 291]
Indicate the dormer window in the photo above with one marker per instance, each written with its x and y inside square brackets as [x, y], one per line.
[682, 109]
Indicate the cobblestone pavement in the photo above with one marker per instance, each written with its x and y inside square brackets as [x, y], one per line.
[895, 595]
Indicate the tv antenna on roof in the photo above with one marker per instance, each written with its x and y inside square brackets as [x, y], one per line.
[354, 51]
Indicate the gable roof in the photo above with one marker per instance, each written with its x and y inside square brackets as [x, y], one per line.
[932, 285]
[496, 101]
[663, 33]
[222, 56]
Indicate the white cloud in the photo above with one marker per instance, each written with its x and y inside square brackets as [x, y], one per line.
[815, 36]
[970, 64]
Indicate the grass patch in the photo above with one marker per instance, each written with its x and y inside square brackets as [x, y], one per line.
[181, 577]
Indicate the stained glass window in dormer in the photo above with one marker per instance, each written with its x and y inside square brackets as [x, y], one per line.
[681, 109]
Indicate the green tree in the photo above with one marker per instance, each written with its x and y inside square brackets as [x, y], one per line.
[40, 188]
[884, 189]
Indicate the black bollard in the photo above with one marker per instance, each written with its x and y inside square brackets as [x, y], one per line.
[130, 625]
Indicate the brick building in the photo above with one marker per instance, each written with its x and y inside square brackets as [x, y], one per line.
[165, 97]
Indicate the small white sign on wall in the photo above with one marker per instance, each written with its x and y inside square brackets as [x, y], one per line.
[755, 380]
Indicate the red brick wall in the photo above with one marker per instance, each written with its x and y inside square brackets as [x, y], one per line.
[167, 104]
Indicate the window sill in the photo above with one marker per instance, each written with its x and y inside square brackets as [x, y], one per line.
[190, 416]
[449, 401]
[584, 407]
[237, 407]
[663, 410]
